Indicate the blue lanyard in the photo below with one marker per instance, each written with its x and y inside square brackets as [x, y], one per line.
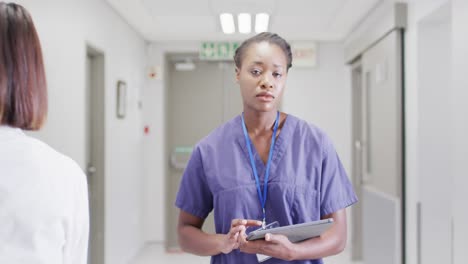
[261, 197]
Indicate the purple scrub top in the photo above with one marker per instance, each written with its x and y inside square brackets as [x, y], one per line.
[306, 182]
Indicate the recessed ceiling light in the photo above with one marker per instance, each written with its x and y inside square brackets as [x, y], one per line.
[244, 21]
[227, 23]
[261, 22]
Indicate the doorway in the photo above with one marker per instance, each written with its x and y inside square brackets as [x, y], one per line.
[201, 95]
[378, 172]
[95, 69]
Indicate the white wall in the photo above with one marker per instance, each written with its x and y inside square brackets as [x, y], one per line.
[154, 158]
[434, 128]
[456, 140]
[416, 11]
[322, 96]
[460, 125]
[319, 95]
[65, 28]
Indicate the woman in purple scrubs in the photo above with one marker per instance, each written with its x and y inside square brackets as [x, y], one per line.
[260, 167]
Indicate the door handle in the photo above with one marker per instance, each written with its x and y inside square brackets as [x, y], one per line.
[91, 169]
[358, 145]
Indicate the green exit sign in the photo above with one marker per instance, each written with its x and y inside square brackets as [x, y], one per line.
[218, 50]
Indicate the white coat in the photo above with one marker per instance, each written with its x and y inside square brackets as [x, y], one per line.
[44, 216]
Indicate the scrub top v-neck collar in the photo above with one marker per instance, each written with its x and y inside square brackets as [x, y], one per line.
[278, 149]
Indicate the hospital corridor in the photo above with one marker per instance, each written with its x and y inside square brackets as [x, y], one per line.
[137, 87]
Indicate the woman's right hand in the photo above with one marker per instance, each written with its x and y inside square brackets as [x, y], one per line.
[231, 240]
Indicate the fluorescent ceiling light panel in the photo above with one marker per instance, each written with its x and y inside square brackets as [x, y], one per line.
[244, 21]
[261, 22]
[227, 23]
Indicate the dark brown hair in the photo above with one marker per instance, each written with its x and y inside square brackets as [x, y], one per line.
[23, 89]
[271, 38]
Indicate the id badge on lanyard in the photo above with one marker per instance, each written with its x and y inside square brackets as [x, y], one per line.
[261, 196]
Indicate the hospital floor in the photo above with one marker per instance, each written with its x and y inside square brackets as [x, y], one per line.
[156, 253]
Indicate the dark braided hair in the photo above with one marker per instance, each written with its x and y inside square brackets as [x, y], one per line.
[268, 37]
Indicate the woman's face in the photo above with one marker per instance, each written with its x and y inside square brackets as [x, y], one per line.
[262, 76]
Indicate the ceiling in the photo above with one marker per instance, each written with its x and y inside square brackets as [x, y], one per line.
[324, 20]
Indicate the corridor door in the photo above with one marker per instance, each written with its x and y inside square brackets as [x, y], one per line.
[198, 101]
[359, 110]
[95, 153]
[379, 149]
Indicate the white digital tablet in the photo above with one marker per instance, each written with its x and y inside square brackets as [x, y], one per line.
[295, 233]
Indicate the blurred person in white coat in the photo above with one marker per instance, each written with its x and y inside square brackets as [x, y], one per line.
[44, 214]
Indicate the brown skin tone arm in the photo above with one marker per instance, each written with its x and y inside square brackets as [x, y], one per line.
[193, 240]
[332, 242]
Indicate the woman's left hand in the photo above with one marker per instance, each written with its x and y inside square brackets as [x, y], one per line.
[277, 246]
